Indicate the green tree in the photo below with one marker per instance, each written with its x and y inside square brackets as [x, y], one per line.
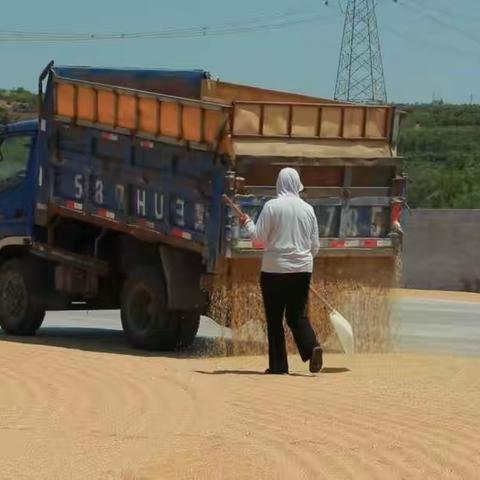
[441, 146]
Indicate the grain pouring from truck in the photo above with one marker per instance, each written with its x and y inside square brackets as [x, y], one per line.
[113, 198]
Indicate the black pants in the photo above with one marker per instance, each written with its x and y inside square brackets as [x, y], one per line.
[287, 294]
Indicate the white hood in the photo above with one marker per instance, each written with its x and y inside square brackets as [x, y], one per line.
[288, 182]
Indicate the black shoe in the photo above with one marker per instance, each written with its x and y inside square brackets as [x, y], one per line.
[316, 360]
[273, 372]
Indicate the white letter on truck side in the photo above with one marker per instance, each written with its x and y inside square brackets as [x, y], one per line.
[199, 217]
[78, 182]
[99, 192]
[158, 206]
[180, 212]
[141, 203]
[120, 196]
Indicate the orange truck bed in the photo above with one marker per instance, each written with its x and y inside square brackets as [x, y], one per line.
[233, 119]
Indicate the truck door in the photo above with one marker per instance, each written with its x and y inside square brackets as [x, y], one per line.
[14, 195]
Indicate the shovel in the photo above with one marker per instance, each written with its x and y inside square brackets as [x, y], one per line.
[236, 209]
[342, 327]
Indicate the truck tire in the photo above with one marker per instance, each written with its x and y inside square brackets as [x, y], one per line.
[21, 308]
[145, 317]
[187, 327]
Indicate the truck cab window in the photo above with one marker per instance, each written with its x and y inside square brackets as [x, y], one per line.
[15, 153]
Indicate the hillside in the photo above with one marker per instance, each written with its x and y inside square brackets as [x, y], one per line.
[441, 144]
[17, 104]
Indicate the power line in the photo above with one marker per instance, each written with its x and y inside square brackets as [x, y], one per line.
[443, 23]
[243, 22]
[412, 34]
[280, 21]
[449, 14]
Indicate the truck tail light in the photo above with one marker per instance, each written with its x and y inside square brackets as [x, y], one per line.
[396, 213]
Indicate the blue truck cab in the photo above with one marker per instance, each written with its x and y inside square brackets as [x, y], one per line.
[113, 197]
[17, 182]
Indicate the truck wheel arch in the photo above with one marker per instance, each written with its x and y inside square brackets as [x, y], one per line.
[181, 270]
[11, 247]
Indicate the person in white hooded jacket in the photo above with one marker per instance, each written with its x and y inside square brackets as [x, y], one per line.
[288, 229]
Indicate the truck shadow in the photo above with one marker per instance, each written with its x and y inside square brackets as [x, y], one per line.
[114, 341]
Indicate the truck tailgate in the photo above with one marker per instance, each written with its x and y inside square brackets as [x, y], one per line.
[362, 224]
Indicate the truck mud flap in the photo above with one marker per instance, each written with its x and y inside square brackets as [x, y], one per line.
[182, 272]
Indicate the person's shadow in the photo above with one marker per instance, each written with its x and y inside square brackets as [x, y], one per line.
[256, 372]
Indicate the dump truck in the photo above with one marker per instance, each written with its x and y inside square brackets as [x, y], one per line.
[112, 198]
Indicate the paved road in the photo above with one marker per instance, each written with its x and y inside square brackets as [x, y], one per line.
[425, 325]
[442, 326]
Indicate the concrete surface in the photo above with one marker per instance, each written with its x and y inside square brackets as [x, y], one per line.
[424, 325]
[438, 326]
[442, 250]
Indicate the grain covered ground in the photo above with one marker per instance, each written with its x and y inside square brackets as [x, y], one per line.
[78, 413]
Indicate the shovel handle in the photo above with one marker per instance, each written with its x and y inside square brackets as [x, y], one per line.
[322, 298]
[232, 205]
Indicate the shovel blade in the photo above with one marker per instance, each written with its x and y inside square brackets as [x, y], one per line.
[344, 331]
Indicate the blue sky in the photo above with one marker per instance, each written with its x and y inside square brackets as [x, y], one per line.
[430, 47]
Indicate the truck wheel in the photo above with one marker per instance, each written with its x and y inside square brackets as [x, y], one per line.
[21, 309]
[145, 317]
[187, 327]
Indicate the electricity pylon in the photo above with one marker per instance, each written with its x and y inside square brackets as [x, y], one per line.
[360, 75]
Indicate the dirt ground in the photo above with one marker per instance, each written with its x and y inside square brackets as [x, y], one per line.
[73, 413]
